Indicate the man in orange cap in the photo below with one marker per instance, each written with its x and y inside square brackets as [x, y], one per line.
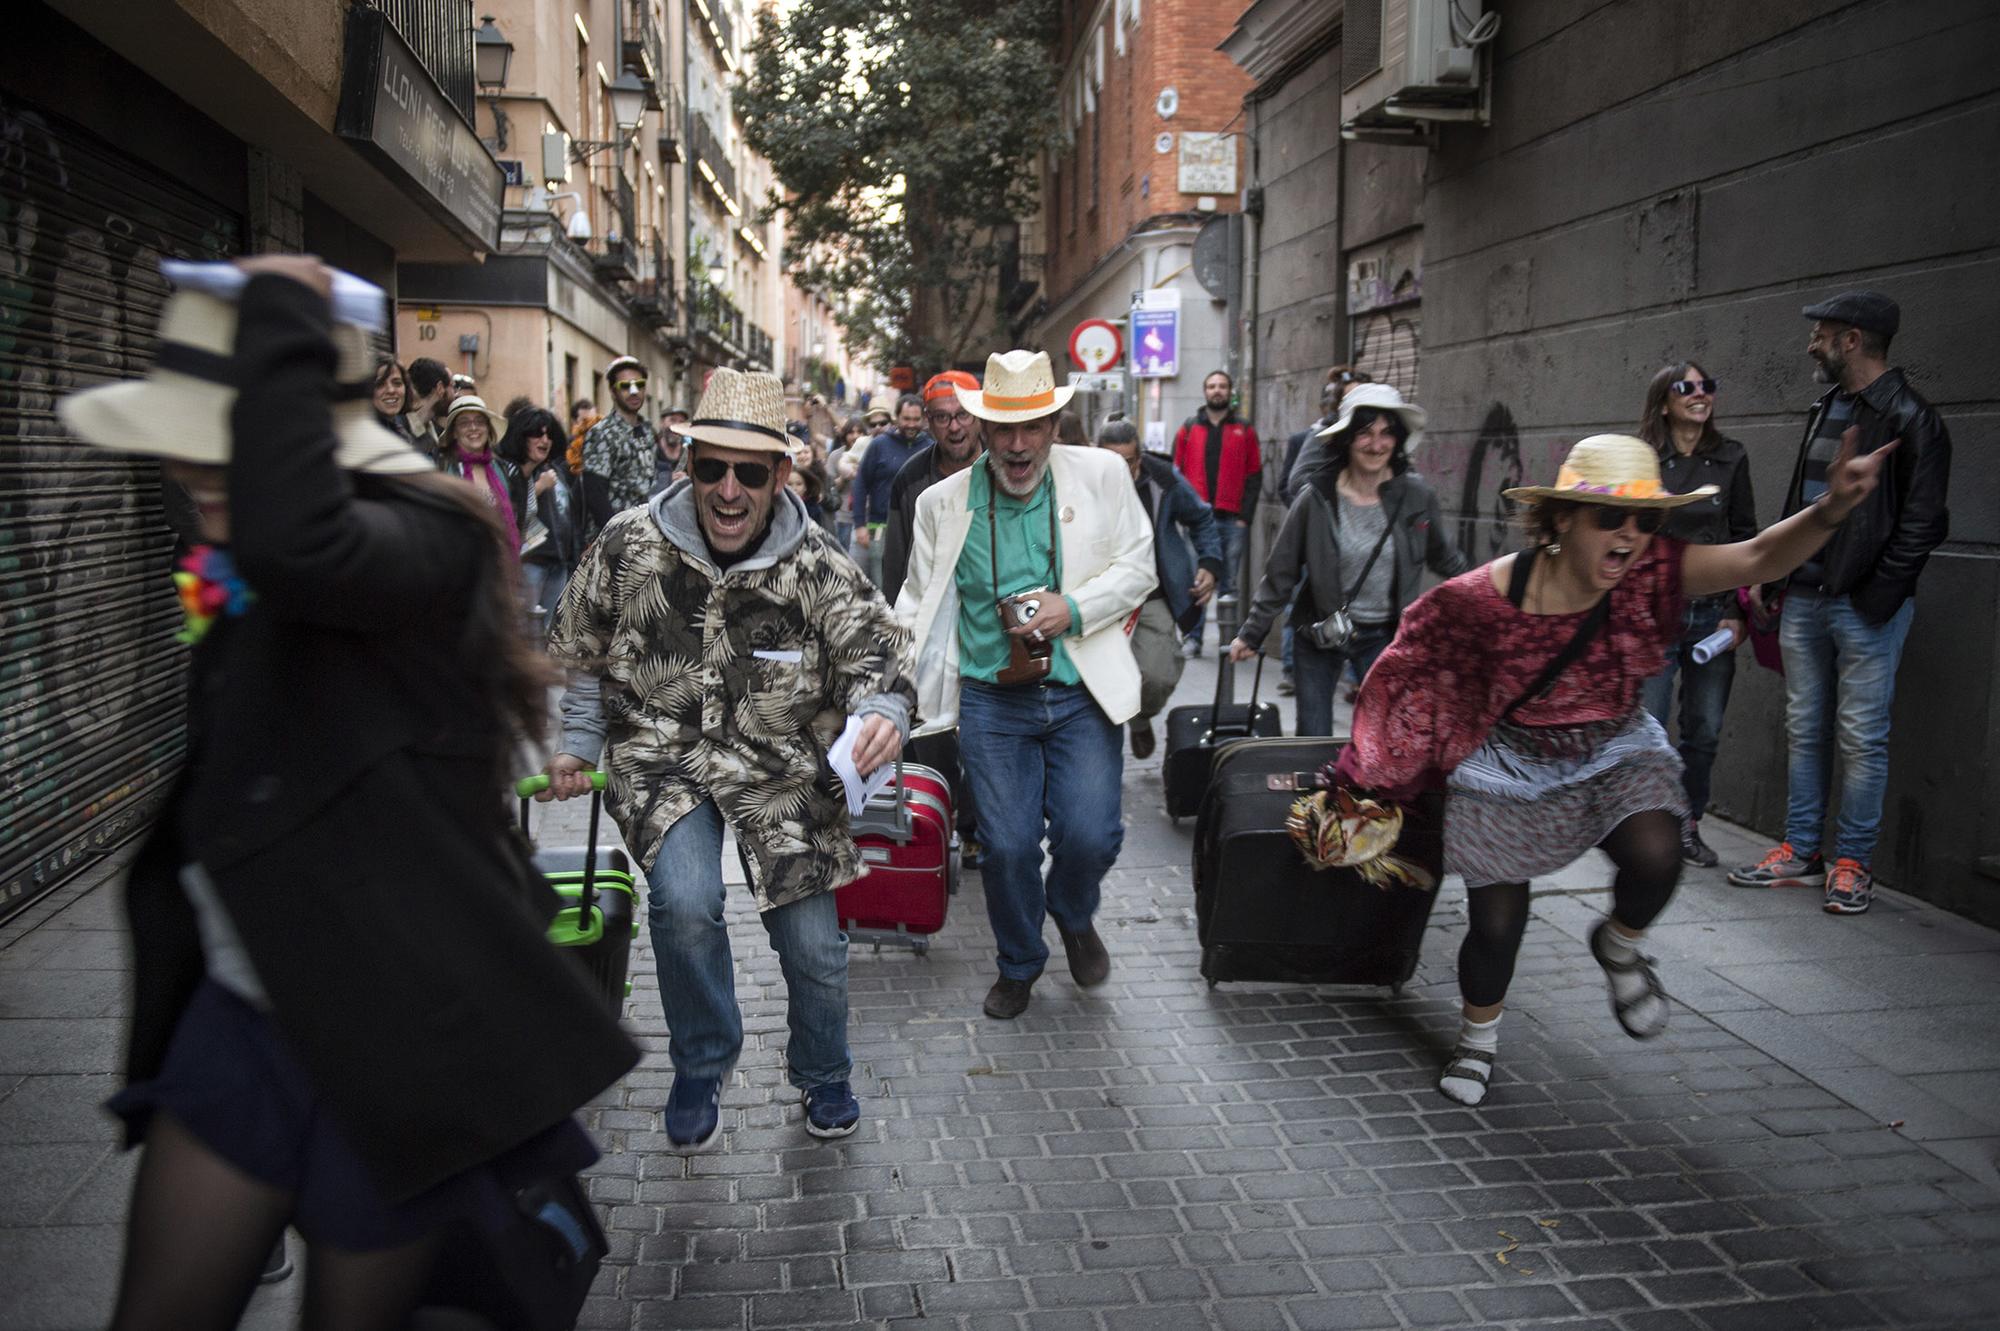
[955, 442]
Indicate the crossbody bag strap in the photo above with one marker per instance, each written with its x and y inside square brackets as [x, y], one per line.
[1579, 642]
[1389, 525]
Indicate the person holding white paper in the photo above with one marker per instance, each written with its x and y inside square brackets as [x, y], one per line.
[719, 642]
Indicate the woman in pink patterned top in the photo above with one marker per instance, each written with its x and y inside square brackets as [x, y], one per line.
[1538, 769]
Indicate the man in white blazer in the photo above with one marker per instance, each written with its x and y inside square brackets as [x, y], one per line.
[1043, 755]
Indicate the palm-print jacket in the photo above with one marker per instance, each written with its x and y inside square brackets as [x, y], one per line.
[692, 683]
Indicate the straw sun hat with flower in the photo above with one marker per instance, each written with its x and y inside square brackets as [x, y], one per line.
[1614, 469]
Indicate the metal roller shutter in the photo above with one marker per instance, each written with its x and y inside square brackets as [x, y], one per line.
[90, 674]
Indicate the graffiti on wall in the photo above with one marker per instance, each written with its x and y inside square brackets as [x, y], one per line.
[1494, 465]
[90, 715]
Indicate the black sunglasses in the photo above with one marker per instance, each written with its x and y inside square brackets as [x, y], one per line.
[1687, 387]
[1611, 518]
[749, 475]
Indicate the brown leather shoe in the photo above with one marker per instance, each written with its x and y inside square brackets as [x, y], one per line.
[1089, 963]
[1008, 999]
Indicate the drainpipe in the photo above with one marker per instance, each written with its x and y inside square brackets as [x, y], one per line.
[1253, 242]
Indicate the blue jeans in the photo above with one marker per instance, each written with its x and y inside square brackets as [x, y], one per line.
[698, 975]
[1840, 677]
[1317, 673]
[1233, 532]
[542, 585]
[1704, 696]
[1040, 760]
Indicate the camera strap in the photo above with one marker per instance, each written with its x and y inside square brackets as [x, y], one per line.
[1593, 623]
[993, 539]
[1388, 527]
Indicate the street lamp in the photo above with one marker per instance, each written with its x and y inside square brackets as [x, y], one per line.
[628, 111]
[492, 53]
[717, 274]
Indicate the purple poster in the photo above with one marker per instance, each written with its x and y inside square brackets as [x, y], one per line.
[1156, 338]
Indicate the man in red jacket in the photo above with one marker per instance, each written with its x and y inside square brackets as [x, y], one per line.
[1219, 454]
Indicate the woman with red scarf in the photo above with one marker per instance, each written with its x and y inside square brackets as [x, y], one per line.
[470, 431]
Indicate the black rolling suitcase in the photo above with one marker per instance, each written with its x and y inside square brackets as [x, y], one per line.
[597, 922]
[1193, 733]
[1263, 913]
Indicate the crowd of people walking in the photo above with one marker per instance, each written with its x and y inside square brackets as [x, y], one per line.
[738, 589]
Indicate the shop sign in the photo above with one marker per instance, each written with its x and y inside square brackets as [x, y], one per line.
[392, 109]
[1208, 163]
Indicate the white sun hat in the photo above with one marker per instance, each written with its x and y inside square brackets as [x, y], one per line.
[1017, 386]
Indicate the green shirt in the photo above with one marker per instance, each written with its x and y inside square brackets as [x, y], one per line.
[1023, 528]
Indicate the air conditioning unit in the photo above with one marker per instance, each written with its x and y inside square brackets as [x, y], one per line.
[1406, 64]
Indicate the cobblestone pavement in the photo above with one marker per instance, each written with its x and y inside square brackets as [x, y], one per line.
[1810, 1145]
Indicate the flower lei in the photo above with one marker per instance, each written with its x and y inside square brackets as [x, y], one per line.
[209, 586]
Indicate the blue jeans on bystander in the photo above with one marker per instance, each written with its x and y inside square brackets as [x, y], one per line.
[1318, 673]
[1040, 760]
[1233, 533]
[1704, 695]
[698, 975]
[1840, 678]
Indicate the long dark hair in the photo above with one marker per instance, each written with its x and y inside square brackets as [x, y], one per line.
[513, 445]
[499, 665]
[1653, 427]
[1339, 446]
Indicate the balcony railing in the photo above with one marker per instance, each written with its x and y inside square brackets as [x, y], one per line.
[653, 294]
[707, 146]
[713, 20]
[439, 32]
[673, 134]
[759, 349]
[645, 53]
[713, 314]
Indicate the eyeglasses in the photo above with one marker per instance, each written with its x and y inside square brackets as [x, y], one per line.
[627, 385]
[1611, 518]
[1689, 387]
[959, 418]
[749, 475]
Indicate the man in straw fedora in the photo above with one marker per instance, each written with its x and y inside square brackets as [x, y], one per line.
[1025, 573]
[719, 643]
[1516, 687]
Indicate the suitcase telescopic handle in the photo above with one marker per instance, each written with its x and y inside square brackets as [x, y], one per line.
[1215, 725]
[586, 897]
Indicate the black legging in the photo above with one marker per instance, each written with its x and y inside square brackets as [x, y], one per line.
[1646, 847]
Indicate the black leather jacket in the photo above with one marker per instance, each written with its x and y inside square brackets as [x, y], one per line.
[1875, 557]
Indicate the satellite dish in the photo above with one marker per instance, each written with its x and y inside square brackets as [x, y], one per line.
[1168, 102]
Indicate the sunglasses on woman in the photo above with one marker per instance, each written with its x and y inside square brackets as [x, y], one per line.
[1611, 518]
[1689, 387]
[749, 475]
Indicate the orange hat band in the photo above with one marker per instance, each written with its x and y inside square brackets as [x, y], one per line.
[1045, 398]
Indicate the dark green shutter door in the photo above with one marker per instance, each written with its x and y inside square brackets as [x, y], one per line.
[90, 675]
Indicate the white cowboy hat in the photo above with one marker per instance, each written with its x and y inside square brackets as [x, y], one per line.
[1017, 386]
[1611, 469]
[741, 409]
[1379, 397]
[180, 410]
[495, 423]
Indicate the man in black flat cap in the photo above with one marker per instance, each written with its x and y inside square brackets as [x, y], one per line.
[1848, 610]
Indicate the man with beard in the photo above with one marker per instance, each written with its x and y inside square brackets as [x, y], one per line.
[887, 453]
[1219, 454]
[1038, 687]
[1847, 610]
[719, 642]
[955, 442]
[618, 452]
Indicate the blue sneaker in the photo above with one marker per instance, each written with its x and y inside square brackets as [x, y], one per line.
[832, 1110]
[694, 1112]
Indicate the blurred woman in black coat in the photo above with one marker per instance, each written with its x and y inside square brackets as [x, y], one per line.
[346, 1015]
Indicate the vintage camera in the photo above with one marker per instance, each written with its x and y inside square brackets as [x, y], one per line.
[1027, 660]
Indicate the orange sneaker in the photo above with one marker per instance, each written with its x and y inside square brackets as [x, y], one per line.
[1850, 888]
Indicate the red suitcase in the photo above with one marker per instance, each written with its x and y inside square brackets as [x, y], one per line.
[909, 842]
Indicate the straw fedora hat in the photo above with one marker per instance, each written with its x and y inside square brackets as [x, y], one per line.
[1018, 386]
[741, 409]
[496, 424]
[180, 410]
[1611, 469]
[1380, 397]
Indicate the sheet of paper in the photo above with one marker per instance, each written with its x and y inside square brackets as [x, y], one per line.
[355, 300]
[859, 788]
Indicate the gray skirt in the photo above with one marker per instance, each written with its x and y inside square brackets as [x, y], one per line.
[1532, 799]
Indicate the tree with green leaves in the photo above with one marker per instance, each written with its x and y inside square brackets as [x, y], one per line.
[905, 138]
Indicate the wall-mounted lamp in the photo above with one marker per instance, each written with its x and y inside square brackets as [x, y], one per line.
[628, 111]
[492, 53]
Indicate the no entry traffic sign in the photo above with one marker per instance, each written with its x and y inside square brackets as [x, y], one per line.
[1095, 346]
